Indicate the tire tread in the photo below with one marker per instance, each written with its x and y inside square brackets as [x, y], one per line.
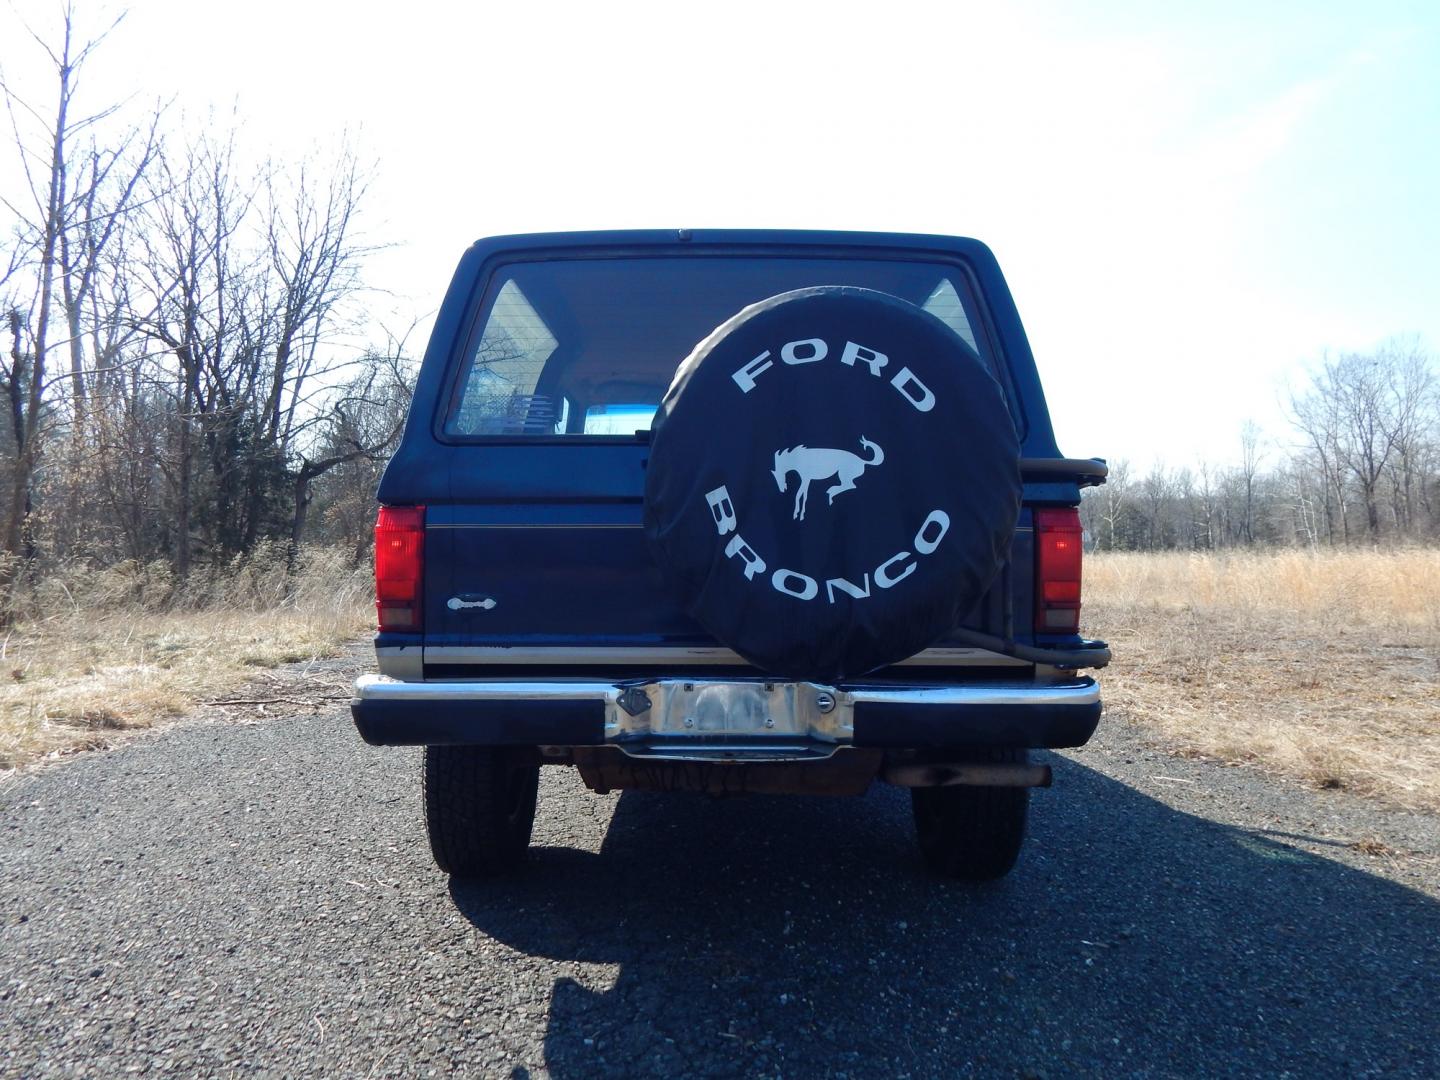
[973, 833]
[478, 821]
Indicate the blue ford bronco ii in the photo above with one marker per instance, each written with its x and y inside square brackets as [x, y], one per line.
[730, 512]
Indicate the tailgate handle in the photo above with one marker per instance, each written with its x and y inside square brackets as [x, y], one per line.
[470, 600]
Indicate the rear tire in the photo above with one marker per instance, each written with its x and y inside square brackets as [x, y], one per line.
[479, 808]
[972, 833]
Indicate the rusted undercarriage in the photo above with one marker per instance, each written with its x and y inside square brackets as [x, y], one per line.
[849, 771]
[846, 772]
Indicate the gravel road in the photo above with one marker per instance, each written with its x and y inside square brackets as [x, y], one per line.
[256, 899]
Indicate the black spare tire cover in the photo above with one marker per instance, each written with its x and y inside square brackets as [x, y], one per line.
[833, 482]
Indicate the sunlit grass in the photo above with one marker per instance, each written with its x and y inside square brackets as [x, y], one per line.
[97, 653]
[1320, 666]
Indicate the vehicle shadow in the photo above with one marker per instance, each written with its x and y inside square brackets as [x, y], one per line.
[800, 937]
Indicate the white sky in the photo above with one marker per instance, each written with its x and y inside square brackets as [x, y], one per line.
[1188, 206]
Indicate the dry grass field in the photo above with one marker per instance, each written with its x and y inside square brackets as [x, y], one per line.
[123, 648]
[1323, 666]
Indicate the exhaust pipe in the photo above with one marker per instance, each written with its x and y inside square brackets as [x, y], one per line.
[967, 774]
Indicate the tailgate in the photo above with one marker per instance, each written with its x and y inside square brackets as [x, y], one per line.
[565, 578]
[570, 581]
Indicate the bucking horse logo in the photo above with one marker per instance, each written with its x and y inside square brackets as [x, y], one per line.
[821, 464]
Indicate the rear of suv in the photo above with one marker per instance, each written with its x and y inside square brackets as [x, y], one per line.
[772, 512]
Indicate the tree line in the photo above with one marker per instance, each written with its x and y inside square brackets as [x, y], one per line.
[1360, 465]
[181, 379]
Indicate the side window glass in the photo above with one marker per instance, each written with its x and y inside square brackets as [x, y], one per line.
[499, 395]
[945, 304]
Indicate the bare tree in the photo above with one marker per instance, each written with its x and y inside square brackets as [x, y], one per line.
[363, 424]
[77, 193]
[1207, 497]
[1371, 412]
[1249, 467]
[248, 275]
[313, 257]
[190, 298]
[1408, 417]
[1157, 491]
[1102, 510]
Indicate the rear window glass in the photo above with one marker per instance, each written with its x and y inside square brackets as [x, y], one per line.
[587, 347]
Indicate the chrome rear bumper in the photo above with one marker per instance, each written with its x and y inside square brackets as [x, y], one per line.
[726, 719]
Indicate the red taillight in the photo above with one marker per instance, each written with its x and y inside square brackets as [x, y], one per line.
[1057, 571]
[399, 567]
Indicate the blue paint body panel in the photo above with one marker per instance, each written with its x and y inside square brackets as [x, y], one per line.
[550, 529]
[560, 574]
